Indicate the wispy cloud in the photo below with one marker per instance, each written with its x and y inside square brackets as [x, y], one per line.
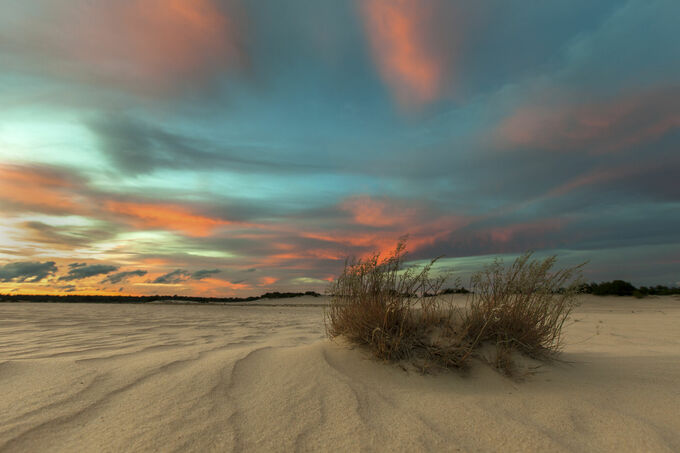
[183, 275]
[413, 64]
[204, 273]
[593, 126]
[66, 237]
[378, 213]
[147, 46]
[40, 188]
[166, 216]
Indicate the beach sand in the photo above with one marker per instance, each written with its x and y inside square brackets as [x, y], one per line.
[262, 377]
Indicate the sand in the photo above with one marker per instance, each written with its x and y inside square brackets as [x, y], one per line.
[97, 377]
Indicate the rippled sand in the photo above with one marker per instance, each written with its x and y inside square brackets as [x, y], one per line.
[96, 377]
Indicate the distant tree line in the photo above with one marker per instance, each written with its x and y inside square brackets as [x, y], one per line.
[459, 290]
[98, 299]
[278, 295]
[623, 288]
[611, 288]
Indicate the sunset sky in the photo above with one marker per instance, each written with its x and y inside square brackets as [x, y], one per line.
[220, 148]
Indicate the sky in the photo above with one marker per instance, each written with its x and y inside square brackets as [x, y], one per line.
[233, 147]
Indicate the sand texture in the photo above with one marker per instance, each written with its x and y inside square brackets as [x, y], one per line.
[97, 377]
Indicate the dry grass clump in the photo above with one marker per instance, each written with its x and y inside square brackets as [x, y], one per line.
[523, 307]
[378, 304]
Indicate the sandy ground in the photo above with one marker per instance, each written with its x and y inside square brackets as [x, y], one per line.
[95, 377]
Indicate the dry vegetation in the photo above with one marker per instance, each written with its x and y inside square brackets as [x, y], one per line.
[523, 308]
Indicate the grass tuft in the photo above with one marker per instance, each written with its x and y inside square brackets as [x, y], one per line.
[523, 307]
[377, 303]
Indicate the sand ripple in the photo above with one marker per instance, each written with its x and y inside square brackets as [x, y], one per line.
[85, 377]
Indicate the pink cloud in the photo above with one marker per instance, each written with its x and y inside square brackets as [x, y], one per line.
[377, 225]
[378, 213]
[144, 45]
[167, 217]
[410, 61]
[268, 281]
[214, 287]
[39, 189]
[595, 126]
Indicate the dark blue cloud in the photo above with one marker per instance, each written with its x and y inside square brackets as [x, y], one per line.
[120, 276]
[204, 273]
[175, 276]
[27, 271]
[81, 272]
[180, 275]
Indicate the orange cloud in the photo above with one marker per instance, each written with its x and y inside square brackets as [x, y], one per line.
[268, 281]
[368, 243]
[150, 45]
[383, 242]
[155, 262]
[281, 259]
[302, 258]
[412, 67]
[377, 213]
[604, 126]
[166, 216]
[212, 287]
[394, 218]
[29, 188]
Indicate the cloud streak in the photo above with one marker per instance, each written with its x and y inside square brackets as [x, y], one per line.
[38, 188]
[27, 271]
[83, 272]
[121, 276]
[204, 273]
[173, 277]
[145, 46]
[181, 275]
[599, 127]
[166, 216]
[410, 61]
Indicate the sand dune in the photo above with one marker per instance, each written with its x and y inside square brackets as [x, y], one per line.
[91, 377]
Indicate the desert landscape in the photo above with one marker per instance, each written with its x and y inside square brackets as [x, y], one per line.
[264, 377]
[360, 225]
